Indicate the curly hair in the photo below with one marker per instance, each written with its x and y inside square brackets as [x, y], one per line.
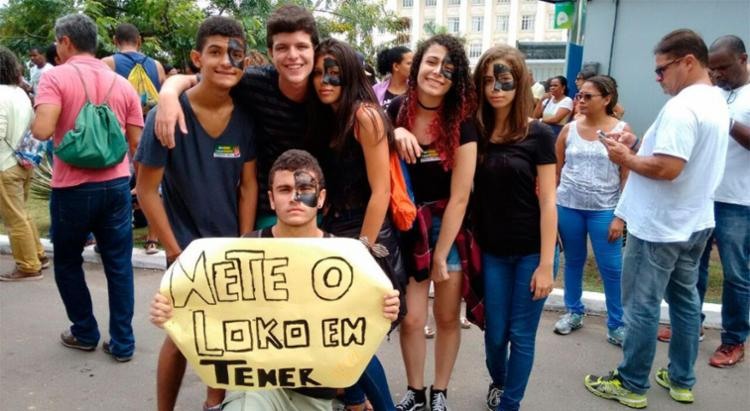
[329, 128]
[9, 67]
[523, 102]
[458, 103]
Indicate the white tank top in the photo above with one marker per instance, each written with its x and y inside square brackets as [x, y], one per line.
[588, 180]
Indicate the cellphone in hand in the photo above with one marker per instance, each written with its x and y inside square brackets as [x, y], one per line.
[601, 135]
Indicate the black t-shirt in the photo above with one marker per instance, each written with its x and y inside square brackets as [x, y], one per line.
[388, 98]
[321, 393]
[430, 181]
[280, 122]
[506, 207]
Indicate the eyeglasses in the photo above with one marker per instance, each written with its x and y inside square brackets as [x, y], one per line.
[661, 69]
[586, 96]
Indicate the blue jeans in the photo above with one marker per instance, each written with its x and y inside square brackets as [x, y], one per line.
[652, 272]
[732, 235]
[373, 385]
[511, 319]
[105, 209]
[574, 225]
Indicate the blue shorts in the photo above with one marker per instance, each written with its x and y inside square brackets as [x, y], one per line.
[453, 260]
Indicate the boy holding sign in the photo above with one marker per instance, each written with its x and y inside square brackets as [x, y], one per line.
[296, 193]
[208, 178]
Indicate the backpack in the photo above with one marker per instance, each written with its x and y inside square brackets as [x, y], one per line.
[141, 82]
[29, 151]
[97, 140]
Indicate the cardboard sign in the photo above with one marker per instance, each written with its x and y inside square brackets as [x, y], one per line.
[260, 313]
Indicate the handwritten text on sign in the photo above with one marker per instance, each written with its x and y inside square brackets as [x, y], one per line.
[258, 313]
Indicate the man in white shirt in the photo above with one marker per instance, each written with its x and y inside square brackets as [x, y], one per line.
[39, 66]
[728, 65]
[667, 204]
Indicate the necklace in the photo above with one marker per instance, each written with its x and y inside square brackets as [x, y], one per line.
[428, 108]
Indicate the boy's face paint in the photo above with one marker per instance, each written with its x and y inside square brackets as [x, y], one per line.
[502, 82]
[331, 72]
[447, 68]
[306, 188]
[236, 53]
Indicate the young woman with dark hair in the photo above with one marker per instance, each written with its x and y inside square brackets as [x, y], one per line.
[555, 107]
[350, 136]
[515, 220]
[395, 64]
[435, 127]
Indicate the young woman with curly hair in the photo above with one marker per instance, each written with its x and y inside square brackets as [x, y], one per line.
[515, 226]
[437, 136]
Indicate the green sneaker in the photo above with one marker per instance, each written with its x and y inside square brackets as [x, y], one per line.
[611, 388]
[684, 395]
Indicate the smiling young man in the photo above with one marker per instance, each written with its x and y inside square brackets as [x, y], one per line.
[208, 179]
[274, 96]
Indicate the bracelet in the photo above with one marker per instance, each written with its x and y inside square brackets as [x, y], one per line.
[637, 140]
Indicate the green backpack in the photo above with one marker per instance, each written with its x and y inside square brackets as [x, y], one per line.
[97, 140]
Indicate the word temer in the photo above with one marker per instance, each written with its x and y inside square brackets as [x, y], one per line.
[259, 377]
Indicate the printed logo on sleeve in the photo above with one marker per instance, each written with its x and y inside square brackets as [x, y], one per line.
[225, 151]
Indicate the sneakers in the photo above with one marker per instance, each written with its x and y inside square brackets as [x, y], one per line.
[69, 340]
[18, 275]
[684, 395]
[616, 336]
[611, 388]
[438, 400]
[429, 332]
[568, 323]
[493, 397]
[665, 334]
[105, 347]
[465, 323]
[727, 355]
[414, 400]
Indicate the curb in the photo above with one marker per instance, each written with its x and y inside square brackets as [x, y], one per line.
[593, 301]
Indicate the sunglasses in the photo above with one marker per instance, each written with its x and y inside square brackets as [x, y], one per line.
[661, 69]
[586, 96]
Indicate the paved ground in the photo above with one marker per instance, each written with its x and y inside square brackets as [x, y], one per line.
[37, 373]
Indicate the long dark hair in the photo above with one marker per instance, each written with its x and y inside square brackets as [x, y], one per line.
[329, 128]
[458, 104]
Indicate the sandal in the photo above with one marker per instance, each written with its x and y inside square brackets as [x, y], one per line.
[151, 247]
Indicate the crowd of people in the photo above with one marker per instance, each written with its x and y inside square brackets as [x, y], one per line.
[304, 147]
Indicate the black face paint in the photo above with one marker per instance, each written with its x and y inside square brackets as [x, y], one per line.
[236, 53]
[330, 75]
[306, 188]
[445, 71]
[500, 83]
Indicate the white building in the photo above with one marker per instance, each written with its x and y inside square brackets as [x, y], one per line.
[484, 23]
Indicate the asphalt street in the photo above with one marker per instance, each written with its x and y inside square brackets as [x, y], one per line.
[38, 373]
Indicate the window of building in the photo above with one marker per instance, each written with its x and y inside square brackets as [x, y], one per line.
[527, 22]
[503, 1]
[452, 24]
[454, 2]
[430, 3]
[475, 50]
[407, 3]
[501, 24]
[477, 2]
[476, 23]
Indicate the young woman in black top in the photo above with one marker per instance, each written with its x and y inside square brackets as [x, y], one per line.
[515, 220]
[435, 114]
[350, 136]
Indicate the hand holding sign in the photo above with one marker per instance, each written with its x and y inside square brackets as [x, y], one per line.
[264, 313]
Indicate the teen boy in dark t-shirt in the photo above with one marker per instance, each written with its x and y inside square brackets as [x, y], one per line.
[295, 218]
[208, 178]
